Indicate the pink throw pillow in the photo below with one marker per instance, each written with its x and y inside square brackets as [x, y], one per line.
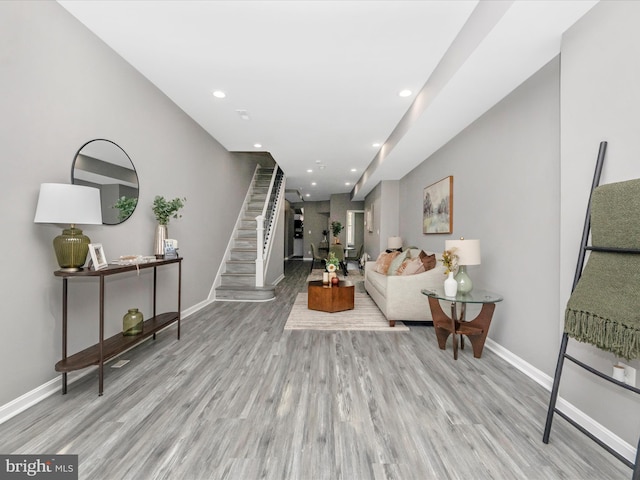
[412, 267]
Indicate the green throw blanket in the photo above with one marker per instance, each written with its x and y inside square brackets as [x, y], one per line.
[604, 308]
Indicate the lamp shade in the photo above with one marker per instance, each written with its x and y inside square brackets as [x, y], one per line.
[394, 243]
[468, 251]
[68, 204]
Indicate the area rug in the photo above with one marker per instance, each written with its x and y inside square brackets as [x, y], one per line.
[364, 317]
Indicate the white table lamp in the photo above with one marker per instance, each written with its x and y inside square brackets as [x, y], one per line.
[468, 252]
[394, 243]
[69, 204]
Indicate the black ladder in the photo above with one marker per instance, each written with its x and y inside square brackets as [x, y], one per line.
[584, 247]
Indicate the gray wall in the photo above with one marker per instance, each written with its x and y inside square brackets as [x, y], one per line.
[505, 169]
[600, 101]
[525, 197]
[319, 215]
[340, 203]
[62, 87]
[316, 215]
[383, 201]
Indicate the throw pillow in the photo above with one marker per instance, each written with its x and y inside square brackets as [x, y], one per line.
[380, 261]
[383, 262]
[429, 261]
[396, 262]
[412, 267]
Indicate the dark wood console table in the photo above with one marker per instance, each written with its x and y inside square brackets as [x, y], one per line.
[107, 348]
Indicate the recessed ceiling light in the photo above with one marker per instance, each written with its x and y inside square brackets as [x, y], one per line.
[354, 170]
[308, 195]
[404, 93]
[313, 183]
[257, 145]
[347, 183]
[219, 94]
[309, 170]
[375, 145]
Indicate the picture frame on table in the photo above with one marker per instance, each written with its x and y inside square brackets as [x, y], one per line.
[98, 257]
[437, 207]
[170, 248]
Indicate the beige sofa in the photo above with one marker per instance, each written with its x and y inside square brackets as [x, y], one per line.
[400, 297]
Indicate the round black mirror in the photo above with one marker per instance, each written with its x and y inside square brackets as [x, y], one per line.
[104, 165]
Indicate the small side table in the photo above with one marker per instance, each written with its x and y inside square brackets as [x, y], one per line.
[475, 329]
[331, 299]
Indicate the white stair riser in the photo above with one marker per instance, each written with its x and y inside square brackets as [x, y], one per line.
[239, 280]
[242, 255]
[241, 267]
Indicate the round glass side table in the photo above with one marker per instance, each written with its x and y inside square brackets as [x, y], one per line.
[455, 325]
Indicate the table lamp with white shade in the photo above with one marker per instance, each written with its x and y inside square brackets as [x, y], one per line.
[69, 204]
[394, 243]
[468, 252]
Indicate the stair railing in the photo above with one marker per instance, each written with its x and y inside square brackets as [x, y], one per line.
[264, 228]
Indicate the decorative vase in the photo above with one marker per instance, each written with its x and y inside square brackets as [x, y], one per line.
[450, 286]
[161, 236]
[465, 285]
[336, 240]
[71, 249]
[325, 278]
[132, 322]
[335, 280]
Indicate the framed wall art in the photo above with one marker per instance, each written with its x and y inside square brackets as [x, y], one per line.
[437, 207]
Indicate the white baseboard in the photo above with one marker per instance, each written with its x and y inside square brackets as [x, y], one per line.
[29, 399]
[246, 301]
[196, 308]
[589, 424]
[20, 404]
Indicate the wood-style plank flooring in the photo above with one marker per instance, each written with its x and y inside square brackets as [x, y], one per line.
[238, 398]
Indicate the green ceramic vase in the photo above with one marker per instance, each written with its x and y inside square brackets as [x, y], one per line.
[132, 322]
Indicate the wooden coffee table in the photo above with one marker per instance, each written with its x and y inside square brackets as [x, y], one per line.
[330, 299]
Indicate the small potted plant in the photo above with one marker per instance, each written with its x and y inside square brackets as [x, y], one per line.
[336, 228]
[164, 210]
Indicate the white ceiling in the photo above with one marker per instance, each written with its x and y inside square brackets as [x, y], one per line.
[319, 80]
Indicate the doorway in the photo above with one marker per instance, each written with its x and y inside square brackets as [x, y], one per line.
[355, 228]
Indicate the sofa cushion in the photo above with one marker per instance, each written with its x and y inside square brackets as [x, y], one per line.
[411, 266]
[429, 261]
[396, 262]
[384, 260]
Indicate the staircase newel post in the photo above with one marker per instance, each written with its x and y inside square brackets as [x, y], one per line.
[259, 251]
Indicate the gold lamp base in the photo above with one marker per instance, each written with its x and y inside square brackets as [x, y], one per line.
[71, 249]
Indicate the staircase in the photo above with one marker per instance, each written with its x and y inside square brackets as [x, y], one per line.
[238, 282]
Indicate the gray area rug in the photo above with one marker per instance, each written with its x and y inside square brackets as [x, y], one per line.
[364, 317]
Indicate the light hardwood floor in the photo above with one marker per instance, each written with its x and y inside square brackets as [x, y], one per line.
[238, 398]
